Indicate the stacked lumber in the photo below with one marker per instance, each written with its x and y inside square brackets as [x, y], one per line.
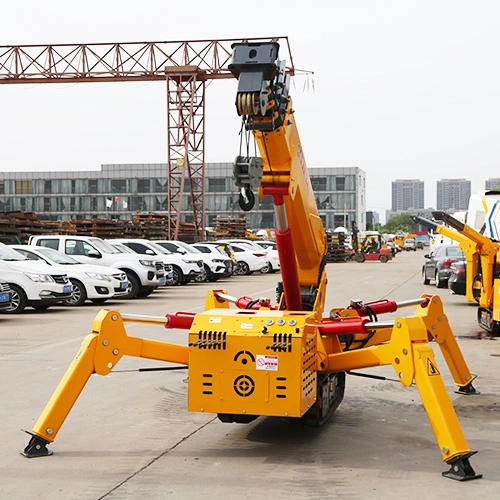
[151, 226]
[230, 227]
[18, 226]
[100, 228]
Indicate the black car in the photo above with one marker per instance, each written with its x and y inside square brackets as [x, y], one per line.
[457, 281]
[438, 263]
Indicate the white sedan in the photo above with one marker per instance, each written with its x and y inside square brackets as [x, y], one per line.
[248, 260]
[271, 251]
[93, 282]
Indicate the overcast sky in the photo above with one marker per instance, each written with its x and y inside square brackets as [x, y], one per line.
[401, 89]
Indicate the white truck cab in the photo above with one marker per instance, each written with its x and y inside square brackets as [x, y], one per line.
[144, 273]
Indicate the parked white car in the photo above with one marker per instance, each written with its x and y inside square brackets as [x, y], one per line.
[216, 252]
[248, 260]
[143, 273]
[90, 282]
[32, 283]
[185, 268]
[215, 266]
[271, 249]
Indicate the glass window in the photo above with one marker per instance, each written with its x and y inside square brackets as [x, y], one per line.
[144, 185]
[138, 247]
[340, 183]
[78, 247]
[24, 187]
[319, 183]
[161, 186]
[119, 185]
[2, 187]
[52, 243]
[216, 184]
[169, 246]
[47, 186]
[202, 249]
[92, 185]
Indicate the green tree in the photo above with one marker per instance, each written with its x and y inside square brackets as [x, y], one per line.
[401, 222]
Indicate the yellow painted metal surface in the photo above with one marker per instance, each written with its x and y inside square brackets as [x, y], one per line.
[252, 362]
[496, 300]
[285, 164]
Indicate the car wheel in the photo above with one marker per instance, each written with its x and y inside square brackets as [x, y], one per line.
[42, 307]
[267, 269]
[134, 285]
[383, 258]
[177, 277]
[425, 280]
[146, 291]
[78, 296]
[98, 301]
[242, 268]
[439, 283]
[19, 300]
[203, 277]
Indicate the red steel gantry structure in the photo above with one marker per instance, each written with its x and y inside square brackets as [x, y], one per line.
[186, 66]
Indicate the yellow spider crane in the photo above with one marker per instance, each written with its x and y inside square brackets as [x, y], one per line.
[249, 357]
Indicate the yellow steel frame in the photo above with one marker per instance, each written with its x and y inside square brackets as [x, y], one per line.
[476, 246]
[405, 347]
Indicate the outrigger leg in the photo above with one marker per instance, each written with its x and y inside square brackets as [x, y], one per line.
[99, 353]
[412, 358]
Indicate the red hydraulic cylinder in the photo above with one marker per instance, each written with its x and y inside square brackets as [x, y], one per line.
[286, 251]
[377, 307]
[343, 326]
[181, 320]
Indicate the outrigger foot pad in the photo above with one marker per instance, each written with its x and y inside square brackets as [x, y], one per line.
[37, 447]
[467, 389]
[461, 469]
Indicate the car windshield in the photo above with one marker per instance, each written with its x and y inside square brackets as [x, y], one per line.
[187, 247]
[57, 257]
[454, 252]
[159, 248]
[7, 253]
[122, 248]
[104, 246]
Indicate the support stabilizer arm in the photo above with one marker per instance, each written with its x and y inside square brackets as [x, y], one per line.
[99, 353]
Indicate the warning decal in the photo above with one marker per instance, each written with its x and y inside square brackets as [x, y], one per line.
[265, 362]
[432, 368]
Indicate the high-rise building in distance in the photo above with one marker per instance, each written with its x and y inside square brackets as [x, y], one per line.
[491, 184]
[453, 194]
[407, 193]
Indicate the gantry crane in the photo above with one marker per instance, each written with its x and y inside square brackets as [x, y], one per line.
[185, 66]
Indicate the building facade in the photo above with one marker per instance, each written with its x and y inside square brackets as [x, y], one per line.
[453, 194]
[372, 218]
[120, 191]
[407, 194]
[491, 184]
